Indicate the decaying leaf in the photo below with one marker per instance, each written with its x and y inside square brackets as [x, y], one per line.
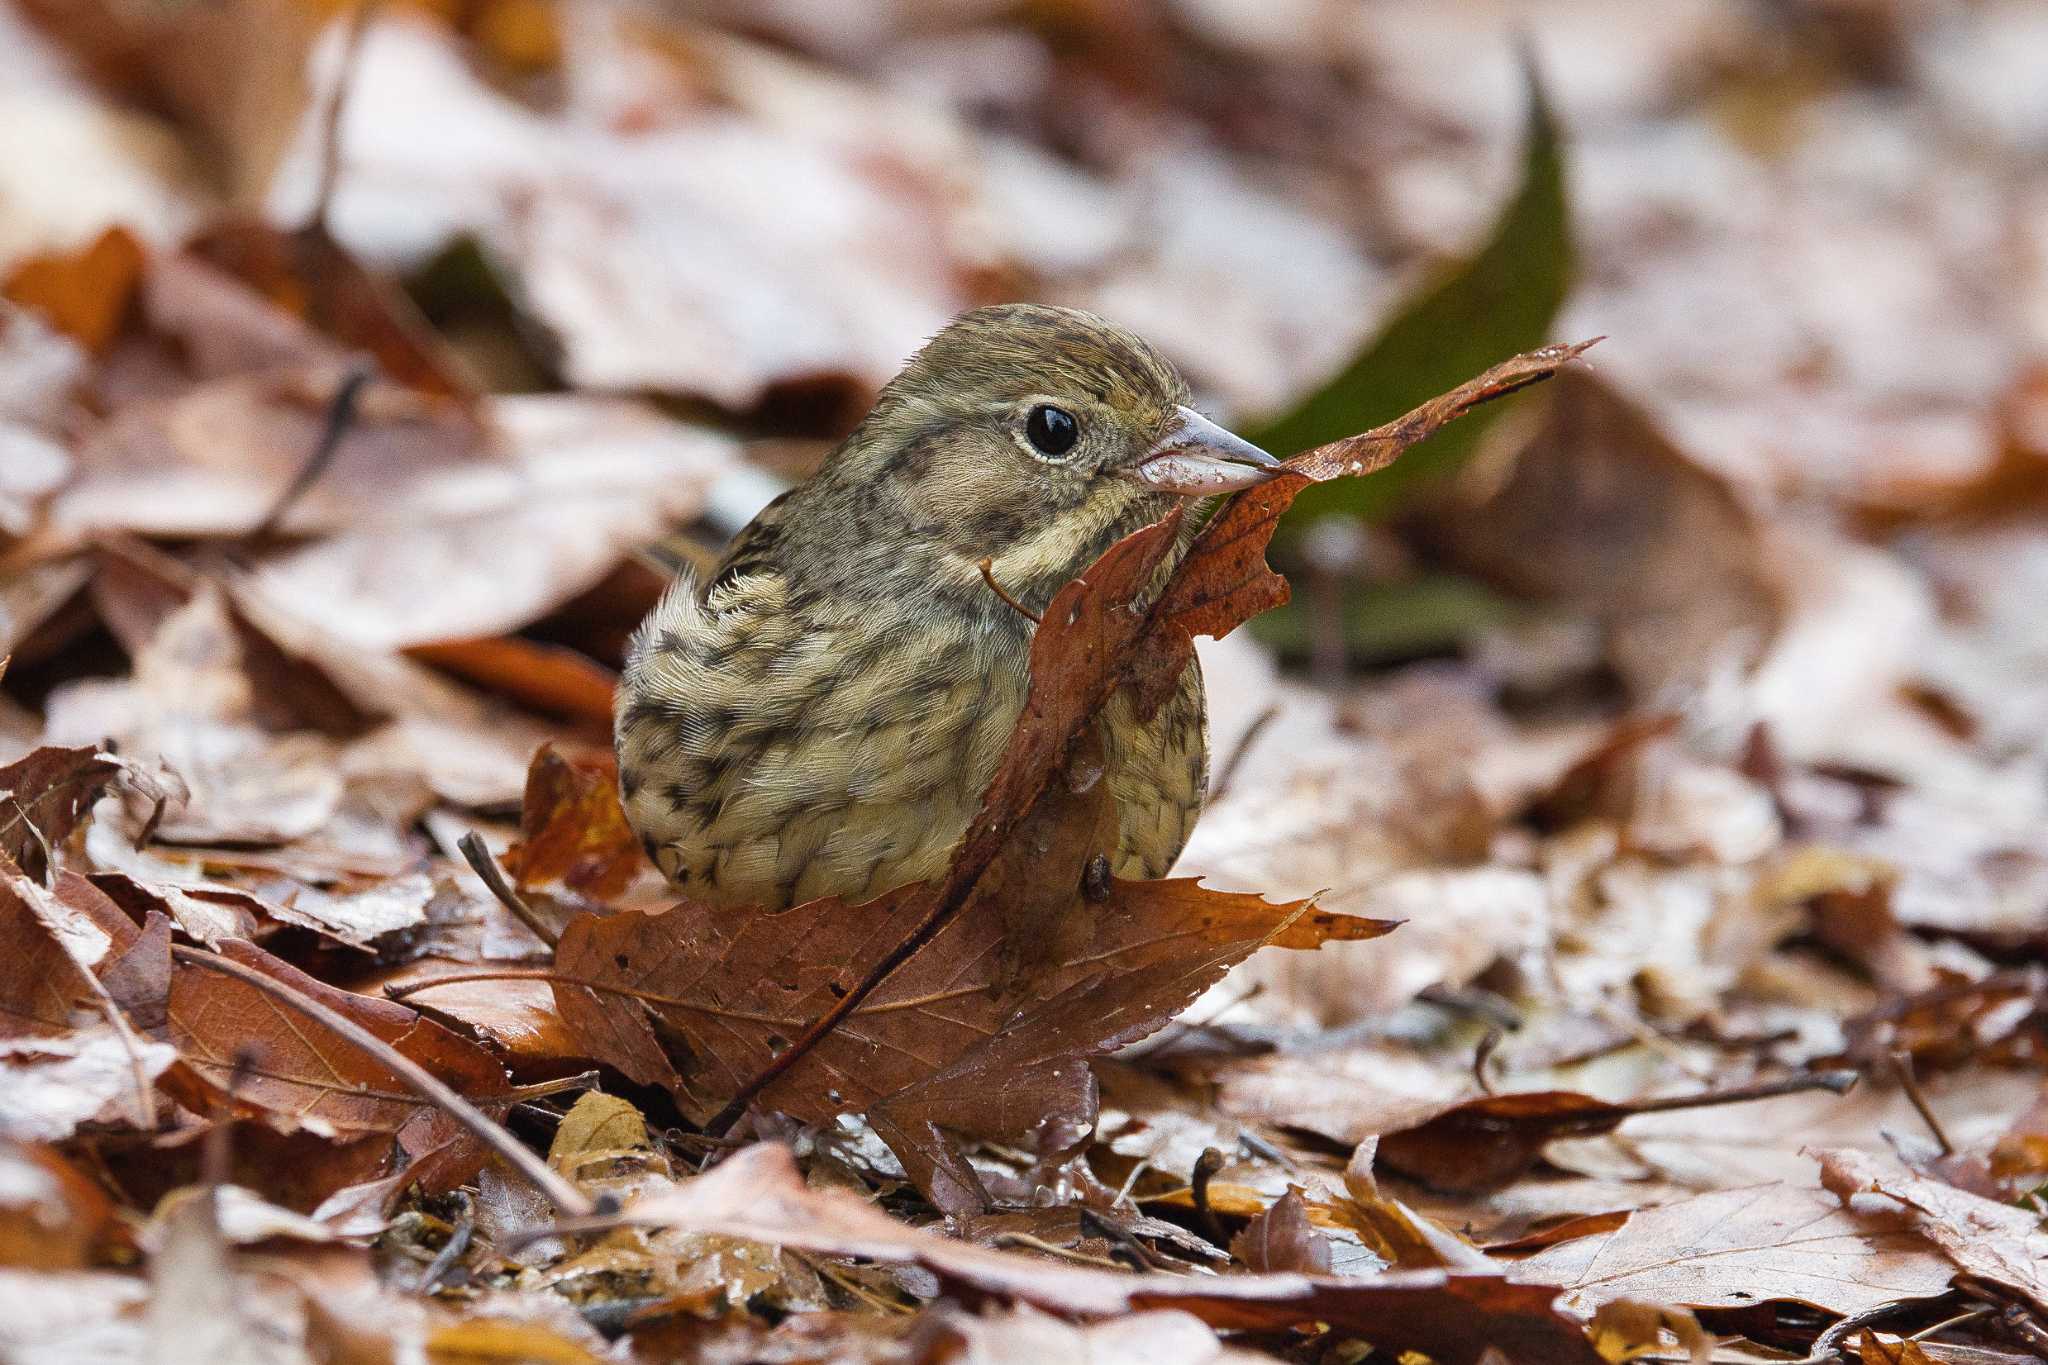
[758, 1195]
[236, 1038]
[1991, 1243]
[1716, 1250]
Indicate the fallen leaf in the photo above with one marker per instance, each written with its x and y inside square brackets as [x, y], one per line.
[1682, 578]
[307, 274]
[292, 1072]
[85, 294]
[44, 796]
[41, 983]
[737, 987]
[758, 1195]
[1988, 1241]
[1733, 1247]
[1486, 1143]
[572, 830]
[52, 1217]
[89, 1075]
[1281, 1239]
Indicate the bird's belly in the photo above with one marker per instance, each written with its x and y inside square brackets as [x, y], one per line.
[757, 788]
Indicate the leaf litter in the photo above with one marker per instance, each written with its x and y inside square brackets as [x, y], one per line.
[1719, 779]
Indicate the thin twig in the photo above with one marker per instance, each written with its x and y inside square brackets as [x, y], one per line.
[1827, 1347]
[1039, 1244]
[1206, 1166]
[1227, 772]
[341, 415]
[485, 866]
[43, 844]
[1902, 1062]
[330, 114]
[451, 1250]
[1483, 1054]
[1980, 1311]
[988, 576]
[566, 1197]
[1836, 1082]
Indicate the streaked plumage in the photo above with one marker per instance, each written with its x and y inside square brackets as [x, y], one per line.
[822, 715]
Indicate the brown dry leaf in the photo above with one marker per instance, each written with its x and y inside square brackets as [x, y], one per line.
[572, 831]
[1731, 1248]
[542, 677]
[1487, 1143]
[1999, 1244]
[1281, 1239]
[758, 1195]
[1878, 1349]
[738, 987]
[44, 796]
[41, 982]
[308, 275]
[52, 1217]
[85, 294]
[234, 74]
[1679, 574]
[299, 1077]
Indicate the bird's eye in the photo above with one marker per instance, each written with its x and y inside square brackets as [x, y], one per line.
[1052, 430]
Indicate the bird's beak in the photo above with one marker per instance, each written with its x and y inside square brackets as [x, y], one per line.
[1196, 457]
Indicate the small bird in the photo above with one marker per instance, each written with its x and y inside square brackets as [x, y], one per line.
[821, 717]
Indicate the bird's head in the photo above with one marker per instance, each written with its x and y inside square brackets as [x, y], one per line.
[1033, 435]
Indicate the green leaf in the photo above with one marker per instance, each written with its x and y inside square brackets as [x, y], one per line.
[1499, 302]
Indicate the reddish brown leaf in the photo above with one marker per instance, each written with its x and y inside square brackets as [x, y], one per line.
[572, 831]
[40, 982]
[1281, 1239]
[44, 796]
[549, 678]
[759, 1195]
[293, 1071]
[86, 294]
[737, 988]
[308, 275]
[1487, 1143]
[51, 1216]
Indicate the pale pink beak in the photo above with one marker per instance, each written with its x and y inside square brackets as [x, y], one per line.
[1196, 458]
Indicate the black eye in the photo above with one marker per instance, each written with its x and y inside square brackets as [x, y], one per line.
[1053, 430]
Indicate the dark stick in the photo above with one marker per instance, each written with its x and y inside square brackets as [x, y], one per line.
[341, 415]
[485, 866]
